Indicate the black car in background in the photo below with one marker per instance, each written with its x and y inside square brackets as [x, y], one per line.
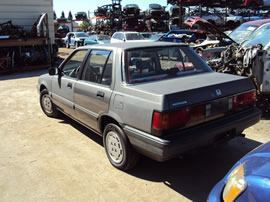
[155, 10]
[81, 16]
[131, 10]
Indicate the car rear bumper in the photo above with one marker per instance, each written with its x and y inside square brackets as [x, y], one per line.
[165, 148]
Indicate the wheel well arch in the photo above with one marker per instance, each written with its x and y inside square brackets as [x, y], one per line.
[104, 120]
[42, 87]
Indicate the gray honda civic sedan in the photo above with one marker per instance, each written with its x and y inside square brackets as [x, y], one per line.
[157, 99]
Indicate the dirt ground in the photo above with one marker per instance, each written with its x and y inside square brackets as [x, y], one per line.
[45, 159]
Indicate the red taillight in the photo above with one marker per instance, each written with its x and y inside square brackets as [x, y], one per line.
[245, 99]
[160, 121]
[180, 118]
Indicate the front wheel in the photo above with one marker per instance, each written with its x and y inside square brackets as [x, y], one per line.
[47, 105]
[118, 149]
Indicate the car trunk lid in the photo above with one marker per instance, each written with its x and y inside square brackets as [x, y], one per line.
[197, 89]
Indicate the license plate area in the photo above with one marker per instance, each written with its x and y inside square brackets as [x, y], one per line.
[218, 107]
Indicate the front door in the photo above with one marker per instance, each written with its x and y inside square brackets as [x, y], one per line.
[93, 91]
[63, 84]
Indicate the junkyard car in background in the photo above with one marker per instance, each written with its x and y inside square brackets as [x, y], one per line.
[248, 180]
[131, 10]
[75, 39]
[261, 36]
[120, 37]
[212, 18]
[155, 10]
[97, 39]
[158, 99]
[243, 32]
[81, 16]
[232, 20]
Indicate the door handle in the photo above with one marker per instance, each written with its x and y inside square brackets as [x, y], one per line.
[69, 85]
[100, 94]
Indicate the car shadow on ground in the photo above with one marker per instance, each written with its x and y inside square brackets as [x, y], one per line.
[22, 75]
[93, 136]
[195, 174]
[192, 175]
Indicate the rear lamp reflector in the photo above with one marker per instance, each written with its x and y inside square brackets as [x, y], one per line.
[245, 99]
[180, 118]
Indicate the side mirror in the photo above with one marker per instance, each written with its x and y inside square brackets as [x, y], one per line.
[53, 71]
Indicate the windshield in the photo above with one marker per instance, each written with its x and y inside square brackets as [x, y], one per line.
[82, 34]
[132, 6]
[242, 32]
[134, 36]
[260, 36]
[156, 36]
[103, 37]
[156, 6]
[151, 64]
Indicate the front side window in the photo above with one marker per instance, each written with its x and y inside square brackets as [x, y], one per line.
[72, 66]
[143, 65]
[98, 68]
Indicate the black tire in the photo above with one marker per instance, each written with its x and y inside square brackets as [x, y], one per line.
[118, 149]
[67, 45]
[47, 105]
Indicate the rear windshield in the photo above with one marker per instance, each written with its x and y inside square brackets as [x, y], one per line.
[144, 65]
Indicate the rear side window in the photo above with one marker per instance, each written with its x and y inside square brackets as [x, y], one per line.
[142, 65]
[98, 68]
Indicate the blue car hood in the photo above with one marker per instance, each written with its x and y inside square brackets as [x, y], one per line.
[257, 162]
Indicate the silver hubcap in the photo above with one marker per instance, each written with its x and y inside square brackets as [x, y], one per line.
[47, 103]
[114, 147]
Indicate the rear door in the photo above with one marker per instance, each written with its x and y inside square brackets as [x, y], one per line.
[63, 85]
[93, 91]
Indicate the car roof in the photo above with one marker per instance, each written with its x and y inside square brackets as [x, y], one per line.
[258, 22]
[126, 32]
[80, 32]
[131, 45]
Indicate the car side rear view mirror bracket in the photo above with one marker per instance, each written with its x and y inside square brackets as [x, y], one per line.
[54, 71]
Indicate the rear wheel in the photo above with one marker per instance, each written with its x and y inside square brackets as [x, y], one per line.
[47, 105]
[118, 149]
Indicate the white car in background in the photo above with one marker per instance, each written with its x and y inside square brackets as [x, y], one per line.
[232, 20]
[120, 37]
